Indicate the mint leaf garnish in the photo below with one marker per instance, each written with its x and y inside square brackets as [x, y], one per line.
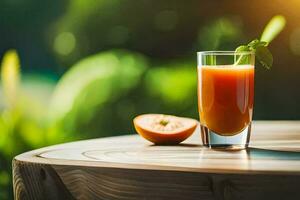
[264, 56]
[262, 53]
[260, 47]
[256, 43]
[242, 48]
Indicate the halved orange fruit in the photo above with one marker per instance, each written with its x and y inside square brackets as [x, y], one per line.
[164, 129]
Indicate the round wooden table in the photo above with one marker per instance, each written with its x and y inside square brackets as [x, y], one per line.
[128, 167]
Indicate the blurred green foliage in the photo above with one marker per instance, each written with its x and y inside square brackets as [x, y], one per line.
[21, 121]
[90, 85]
[90, 100]
[174, 83]
[100, 94]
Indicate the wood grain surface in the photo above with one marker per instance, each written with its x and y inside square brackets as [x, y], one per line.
[128, 167]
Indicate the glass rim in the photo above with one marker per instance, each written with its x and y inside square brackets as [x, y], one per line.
[228, 53]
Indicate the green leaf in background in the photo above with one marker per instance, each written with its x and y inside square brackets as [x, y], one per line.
[10, 74]
[273, 28]
[4, 181]
[174, 83]
[211, 59]
[4, 178]
[92, 82]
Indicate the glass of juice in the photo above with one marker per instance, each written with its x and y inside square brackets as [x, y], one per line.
[225, 98]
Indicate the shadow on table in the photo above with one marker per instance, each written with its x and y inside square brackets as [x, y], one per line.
[258, 153]
[252, 153]
[178, 145]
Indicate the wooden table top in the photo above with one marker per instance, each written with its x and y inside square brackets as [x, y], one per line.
[130, 168]
[274, 149]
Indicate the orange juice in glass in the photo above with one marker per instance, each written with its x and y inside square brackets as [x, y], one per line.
[225, 98]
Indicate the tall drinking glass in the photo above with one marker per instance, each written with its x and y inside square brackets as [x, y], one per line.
[225, 98]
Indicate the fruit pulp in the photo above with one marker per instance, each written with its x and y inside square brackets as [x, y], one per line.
[164, 129]
[225, 97]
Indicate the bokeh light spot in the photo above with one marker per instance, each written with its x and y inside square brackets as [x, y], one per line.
[64, 43]
[166, 20]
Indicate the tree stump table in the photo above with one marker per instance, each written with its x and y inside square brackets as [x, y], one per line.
[128, 167]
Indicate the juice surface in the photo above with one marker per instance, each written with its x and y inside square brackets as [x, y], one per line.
[225, 97]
